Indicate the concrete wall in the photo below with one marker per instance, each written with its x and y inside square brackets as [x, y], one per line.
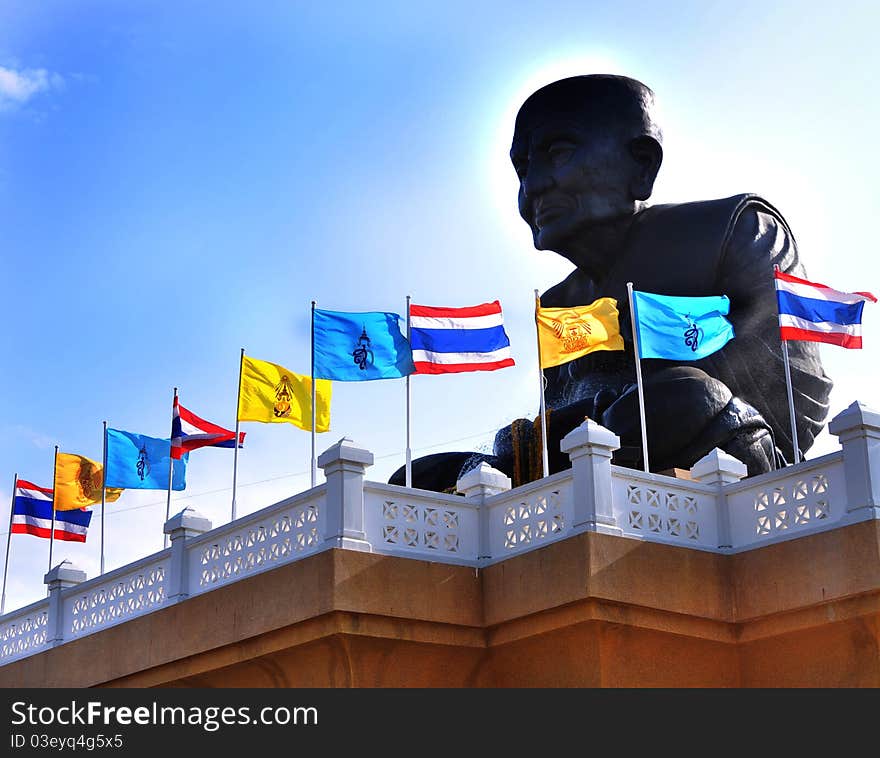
[594, 610]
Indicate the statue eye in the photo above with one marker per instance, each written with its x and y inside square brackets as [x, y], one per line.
[560, 152]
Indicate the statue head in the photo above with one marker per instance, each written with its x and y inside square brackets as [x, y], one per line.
[586, 150]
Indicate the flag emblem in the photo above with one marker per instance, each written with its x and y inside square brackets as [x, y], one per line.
[143, 463]
[452, 340]
[283, 393]
[693, 335]
[573, 329]
[817, 313]
[362, 354]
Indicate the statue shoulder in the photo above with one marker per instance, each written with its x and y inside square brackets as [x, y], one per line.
[719, 215]
[758, 239]
[742, 225]
[573, 289]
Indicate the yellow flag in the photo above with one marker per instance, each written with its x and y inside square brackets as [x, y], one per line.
[270, 393]
[78, 482]
[568, 333]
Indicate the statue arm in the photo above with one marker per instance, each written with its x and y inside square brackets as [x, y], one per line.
[752, 364]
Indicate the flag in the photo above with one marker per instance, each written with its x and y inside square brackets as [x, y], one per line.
[32, 514]
[681, 328]
[270, 393]
[138, 462]
[568, 333]
[451, 340]
[189, 432]
[78, 482]
[816, 313]
[353, 347]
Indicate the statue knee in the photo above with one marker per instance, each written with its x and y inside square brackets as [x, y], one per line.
[680, 402]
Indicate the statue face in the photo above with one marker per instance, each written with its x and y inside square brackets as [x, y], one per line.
[571, 177]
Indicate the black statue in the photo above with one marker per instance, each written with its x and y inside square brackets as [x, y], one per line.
[587, 151]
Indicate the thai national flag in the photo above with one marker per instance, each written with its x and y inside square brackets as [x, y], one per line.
[189, 432]
[32, 514]
[816, 313]
[451, 340]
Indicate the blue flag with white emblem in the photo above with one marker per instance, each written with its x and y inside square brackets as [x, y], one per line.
[681, 328]
[135, 461]
[356, 347]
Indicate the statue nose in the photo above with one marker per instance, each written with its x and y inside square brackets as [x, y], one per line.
[537, 180]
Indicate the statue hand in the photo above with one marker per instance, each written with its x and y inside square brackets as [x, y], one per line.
[680, 402]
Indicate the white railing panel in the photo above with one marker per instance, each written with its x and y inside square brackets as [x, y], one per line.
[420, 524]
[24, 632]
[119, 595]
[664, 509]
[279, 534]
[530, 516]
[796, 500]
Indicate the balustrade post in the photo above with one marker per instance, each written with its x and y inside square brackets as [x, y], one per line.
[590, 447]
[719, 468]
[477, 485]
[181, 527]
[858, 429]
[64, 575]
[344, 465]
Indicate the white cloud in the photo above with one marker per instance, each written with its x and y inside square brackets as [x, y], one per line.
[19, 86]
[35, 438]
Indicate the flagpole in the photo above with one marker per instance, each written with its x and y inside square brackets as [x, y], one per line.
[408, 400]
[170, 473]
[52, 533]
[545, 459]
[314, 415]
[637, 352]
[103, 496]
[8, 545]
[794, 437]
[235, 439]
[796, 453]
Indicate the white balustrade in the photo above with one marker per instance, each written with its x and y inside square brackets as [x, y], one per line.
[788, 503]
[421, 524]
[530, 516]
[664, 509]
[119, 595]
[24, 632]
[281, 533]
[484, 523]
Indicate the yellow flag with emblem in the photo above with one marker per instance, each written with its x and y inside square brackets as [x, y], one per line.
[568, 333]
[271, 393]
[78, 483]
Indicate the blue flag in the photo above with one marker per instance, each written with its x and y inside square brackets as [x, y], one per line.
[681, 328]
[135, 461]
[355, 347]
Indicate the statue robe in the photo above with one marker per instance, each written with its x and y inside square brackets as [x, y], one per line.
[715, 247]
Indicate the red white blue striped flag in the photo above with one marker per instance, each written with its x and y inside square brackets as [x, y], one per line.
[452, 340]
[817, 313]
[32, 514]
[189, 432]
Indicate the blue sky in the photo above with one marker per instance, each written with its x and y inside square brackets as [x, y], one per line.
[179, 180]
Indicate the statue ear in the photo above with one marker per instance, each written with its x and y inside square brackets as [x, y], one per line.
[648, 155]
